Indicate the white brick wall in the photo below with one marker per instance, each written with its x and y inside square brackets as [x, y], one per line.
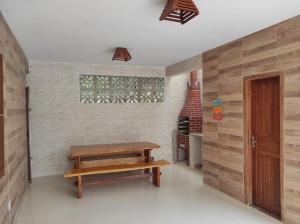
[58, 120]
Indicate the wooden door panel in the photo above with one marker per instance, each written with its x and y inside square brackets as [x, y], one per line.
[265, 122]
[268, 190]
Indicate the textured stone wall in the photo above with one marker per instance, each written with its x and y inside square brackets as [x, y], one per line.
[13, 184]
[275, 49]
[58, 120]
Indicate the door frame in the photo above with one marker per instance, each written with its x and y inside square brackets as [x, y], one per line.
[27, 92]
[2, 147]
[247, 132]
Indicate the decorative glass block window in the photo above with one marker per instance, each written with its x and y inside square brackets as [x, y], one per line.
[121, 89]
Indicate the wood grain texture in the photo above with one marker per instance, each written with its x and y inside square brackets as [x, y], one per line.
[112, 161]
[2, 160]
[275, 49]
[265, 126]
[110, 149]
[14, 181]
[117, 168]
[114, 168]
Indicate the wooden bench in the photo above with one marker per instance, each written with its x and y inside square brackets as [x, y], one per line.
[116, 168]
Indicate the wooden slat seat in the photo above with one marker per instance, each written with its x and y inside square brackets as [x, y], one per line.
[111, 161]
[114, 168]
[154, 165]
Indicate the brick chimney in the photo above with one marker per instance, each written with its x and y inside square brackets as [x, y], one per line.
[190, 117]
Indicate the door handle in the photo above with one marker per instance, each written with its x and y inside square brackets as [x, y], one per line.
[253, 142]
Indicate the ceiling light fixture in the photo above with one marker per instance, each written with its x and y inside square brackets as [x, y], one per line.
[180, 11]
[121, 54]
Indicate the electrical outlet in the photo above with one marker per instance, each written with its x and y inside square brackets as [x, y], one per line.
[9, 205]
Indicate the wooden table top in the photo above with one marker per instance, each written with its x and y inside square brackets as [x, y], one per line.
[106, 149]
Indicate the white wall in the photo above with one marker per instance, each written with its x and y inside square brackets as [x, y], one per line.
[58, 120]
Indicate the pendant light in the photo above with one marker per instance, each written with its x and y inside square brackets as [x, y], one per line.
[180, 11]
[121, 54]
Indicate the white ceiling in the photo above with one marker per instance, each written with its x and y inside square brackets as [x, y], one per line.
[88, 30]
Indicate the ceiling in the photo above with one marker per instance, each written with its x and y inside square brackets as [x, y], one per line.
[87, 31]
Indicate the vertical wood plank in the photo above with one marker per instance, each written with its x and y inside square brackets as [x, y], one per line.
[147, 154]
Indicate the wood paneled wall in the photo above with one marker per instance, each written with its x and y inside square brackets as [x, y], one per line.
[14, 182]
[275, 49]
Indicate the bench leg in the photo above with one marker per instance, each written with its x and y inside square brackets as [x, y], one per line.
[156, 176]
[79, 187]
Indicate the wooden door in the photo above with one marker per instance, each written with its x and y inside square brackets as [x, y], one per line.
[265, 144]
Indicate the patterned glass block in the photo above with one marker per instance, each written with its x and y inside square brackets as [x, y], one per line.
[132, 83]
[158, 90]
[103, 96]
[121, 89]
[145, 97]
[102, 82]
[118, 89]
[131, 89]
[118, 96]
[131, 96]
[86, 96]
[146, 90]
[117, 82]
[86, 81]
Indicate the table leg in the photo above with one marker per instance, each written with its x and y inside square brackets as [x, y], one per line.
[77, 166]
[156, 176]
[177, 154]
[79, 187]
[147, 154]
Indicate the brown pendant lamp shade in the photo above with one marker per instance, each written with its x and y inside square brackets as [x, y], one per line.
[121, 54]
[180, 11]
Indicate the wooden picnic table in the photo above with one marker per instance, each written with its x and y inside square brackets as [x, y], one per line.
[119, 149]
[114, 158]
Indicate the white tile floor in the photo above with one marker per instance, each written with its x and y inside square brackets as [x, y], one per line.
[182, 198]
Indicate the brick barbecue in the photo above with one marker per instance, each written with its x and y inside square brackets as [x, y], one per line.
[190, 117]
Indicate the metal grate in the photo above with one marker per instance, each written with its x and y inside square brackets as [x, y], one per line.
[121, 89]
